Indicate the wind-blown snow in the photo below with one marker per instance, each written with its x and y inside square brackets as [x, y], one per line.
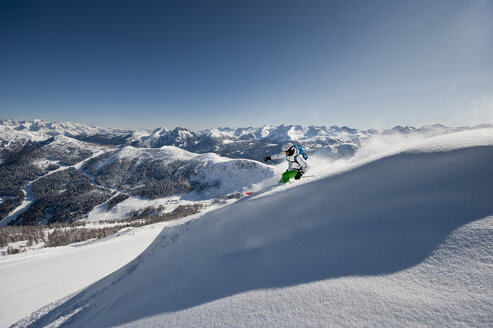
[381, 146]
[403, 239]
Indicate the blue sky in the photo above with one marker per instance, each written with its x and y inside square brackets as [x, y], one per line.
[204, 64]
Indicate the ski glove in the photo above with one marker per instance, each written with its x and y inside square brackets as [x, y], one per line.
[267, 158]
[298, 175]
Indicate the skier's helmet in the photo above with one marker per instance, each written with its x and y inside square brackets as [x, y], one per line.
[287, 147]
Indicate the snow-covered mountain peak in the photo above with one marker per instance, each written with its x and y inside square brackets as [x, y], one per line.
[165, 154]
[169, 170]
[159, 132]
[16, 131]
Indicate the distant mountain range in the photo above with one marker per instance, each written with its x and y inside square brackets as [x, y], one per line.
[56, 172]
[252, 142]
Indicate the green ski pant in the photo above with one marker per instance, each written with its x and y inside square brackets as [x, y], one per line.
[288, 175]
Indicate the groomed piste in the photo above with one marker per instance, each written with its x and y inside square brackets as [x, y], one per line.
[404, 240]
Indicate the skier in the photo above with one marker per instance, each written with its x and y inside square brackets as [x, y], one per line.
[296, 157]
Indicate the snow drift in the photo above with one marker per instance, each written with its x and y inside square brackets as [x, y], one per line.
[362, 247]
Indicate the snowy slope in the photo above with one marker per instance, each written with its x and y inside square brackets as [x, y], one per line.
[211, 174]
[404, 240]
[31, 280]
